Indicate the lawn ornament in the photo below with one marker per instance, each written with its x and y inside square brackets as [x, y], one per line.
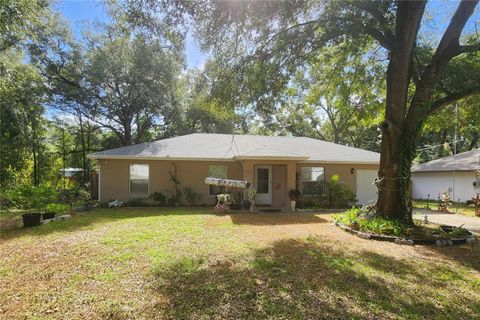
[444, 202]
[116, 204]
[476, 204]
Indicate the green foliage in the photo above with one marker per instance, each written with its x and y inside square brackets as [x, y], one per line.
[191, 196]
[337, 194]
[159, 198]
[29, 197]
[354, 219]
[18, 21]
[56, 208]
[137, 202]
[72, 195]
[349, 217]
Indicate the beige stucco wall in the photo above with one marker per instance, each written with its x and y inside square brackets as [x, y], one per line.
[114, 177]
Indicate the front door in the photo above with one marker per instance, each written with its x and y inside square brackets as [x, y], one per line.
[263, 184]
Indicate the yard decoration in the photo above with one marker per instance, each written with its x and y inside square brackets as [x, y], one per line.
[116, 204]
[229, 183]
[224, 202]
[444, 202]
[476, 204]
[226, 183]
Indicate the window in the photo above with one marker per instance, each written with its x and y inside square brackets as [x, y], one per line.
[312, 180]
[139, 175]
[219, 172]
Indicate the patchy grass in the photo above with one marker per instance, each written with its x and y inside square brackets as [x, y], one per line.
[457, 207]
[178, 263]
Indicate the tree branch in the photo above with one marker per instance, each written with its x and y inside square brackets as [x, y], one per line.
[446, 50]
[468, 48]
[451, 98]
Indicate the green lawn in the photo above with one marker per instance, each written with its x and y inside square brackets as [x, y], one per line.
[190, 264]
[458, 207]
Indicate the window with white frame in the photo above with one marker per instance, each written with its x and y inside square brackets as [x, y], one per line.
[139, 179]
[312, 180]
[219, 172]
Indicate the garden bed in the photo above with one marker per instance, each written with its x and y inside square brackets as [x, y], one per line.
[440, 241]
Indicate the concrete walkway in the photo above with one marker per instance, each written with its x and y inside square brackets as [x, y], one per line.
[470, 223]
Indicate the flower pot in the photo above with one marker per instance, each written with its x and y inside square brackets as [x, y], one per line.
[31, 219]
[292, 205]
[48, 215]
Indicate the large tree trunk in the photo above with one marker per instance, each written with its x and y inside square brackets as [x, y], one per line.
[395, 159]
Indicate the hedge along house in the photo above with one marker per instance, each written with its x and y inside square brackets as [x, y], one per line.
[274, 165]
[453, 174]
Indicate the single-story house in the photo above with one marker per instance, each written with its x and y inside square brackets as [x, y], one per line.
[273, 164]
[454, 174]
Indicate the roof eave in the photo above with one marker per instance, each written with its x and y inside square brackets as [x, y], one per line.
[117, 157]
[293, 158]
[341, 162]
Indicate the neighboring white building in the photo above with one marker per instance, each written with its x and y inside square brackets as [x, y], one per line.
[454, 174]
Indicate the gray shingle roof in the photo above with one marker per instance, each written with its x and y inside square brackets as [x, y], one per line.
[202, 146]
[466, 161]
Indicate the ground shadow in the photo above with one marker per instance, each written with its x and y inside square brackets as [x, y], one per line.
[467, 254]
[268, 219]
[302, 280]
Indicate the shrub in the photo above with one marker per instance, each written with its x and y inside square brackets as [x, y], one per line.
[57, 208]
[338, 194]
[191, 196]
[72, 195]
[29, 197]
[354, 219]
[134, 202]
[159, 198]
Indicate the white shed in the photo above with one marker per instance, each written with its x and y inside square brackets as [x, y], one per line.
[454, 174]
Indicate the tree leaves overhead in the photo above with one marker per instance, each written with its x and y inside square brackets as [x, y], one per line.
[119, 78]
[18, 19]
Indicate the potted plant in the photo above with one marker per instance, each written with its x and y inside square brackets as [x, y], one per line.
[53, 209]
[294, 196]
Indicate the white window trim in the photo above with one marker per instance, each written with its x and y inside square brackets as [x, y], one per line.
[208, 173]
[130, 195]
[301, 180]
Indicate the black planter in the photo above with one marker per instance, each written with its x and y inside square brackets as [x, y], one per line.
[48, 215]
[31, 219]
